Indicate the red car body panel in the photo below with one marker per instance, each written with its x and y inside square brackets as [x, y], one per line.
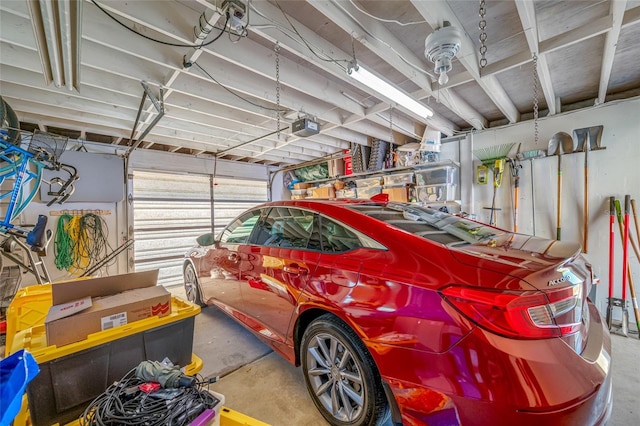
[440, 365]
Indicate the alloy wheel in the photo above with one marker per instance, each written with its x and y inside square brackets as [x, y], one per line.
[191, 285]
[335, 377]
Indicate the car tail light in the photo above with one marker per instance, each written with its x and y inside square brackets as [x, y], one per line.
[524, 314]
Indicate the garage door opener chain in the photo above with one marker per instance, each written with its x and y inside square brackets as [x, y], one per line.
[482, 26]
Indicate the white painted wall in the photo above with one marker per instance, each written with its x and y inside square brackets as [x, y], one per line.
[612, 172]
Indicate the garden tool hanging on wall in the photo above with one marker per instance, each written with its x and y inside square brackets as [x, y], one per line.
[560, 143]
[515, 166]
[627, 277]
[532, 155]
[587, 139]
[498, 173]
[494, 158]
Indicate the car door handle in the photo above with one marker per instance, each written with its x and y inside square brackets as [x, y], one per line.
[295, 270]
[233, 257]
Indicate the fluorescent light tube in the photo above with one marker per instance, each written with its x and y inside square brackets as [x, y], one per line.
[57, 26]
[388, 91]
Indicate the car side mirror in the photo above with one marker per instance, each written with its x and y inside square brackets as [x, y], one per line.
[206, 239]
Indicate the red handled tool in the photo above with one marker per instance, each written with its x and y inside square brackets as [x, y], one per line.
[612, 213]
[626, 275]
[632, 290]
[625, 265]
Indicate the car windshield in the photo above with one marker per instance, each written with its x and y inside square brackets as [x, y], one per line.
[428, 223]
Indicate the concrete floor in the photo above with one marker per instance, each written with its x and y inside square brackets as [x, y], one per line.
[259, 383]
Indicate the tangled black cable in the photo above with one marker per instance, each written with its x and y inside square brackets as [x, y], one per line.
[123, 403]
[93, 241]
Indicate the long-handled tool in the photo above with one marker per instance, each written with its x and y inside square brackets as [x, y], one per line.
[625, 259]
[532, 155]
[612, 213]
[624, 327]
[558, 143]
[585, 236]
[498, 174]
[587, 139]
[515, 170]
[515, 166]
[494, 157]
[632, 289]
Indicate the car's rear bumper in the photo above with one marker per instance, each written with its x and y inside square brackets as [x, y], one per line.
[487, 380]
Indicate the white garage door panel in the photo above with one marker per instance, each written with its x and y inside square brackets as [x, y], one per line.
[171, 210]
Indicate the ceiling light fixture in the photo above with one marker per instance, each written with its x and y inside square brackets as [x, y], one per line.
[388, 91]
[440, 47]
[57, 27]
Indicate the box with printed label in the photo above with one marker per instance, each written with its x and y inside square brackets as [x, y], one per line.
[82, 307]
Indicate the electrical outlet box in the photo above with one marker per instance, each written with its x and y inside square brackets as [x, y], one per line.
[237, 10]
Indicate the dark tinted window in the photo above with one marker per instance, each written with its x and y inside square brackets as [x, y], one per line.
[239, 230]
[285, 227]
[336, 238]
[429, 223]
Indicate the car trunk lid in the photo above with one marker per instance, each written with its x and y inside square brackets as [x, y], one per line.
[555, 268]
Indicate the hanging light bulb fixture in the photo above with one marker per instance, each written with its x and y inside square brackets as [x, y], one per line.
[440, 47]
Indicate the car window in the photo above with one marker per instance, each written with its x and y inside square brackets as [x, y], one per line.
[239, 230]
[285, 227]
[337, 238]
[430, 224]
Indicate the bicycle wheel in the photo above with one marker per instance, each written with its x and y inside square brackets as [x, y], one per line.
[9, 124]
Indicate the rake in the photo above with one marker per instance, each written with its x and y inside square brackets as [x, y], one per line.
[493, 157]
[490, 154]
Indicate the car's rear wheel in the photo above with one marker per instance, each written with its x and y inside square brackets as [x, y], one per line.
[340, 374]
[191, 285]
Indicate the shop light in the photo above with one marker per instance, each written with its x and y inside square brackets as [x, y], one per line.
[57, 26]
[388, 91]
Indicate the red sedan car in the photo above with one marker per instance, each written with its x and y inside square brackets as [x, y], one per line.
[404, 314]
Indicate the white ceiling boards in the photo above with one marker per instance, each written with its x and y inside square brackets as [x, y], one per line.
[292, 56]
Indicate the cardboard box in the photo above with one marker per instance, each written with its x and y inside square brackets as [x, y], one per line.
[336, 167]
[324, 192]
[301, 185]
[82, 307]
[399, 194]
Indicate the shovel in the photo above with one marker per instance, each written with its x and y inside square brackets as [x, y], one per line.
[558, 143]
[587, 139]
